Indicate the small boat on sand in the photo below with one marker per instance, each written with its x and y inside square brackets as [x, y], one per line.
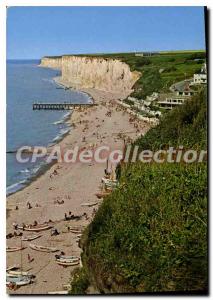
[13, 267]
[75, 230]
[43, 248]
[18, 280]
[63, 258]
[89, 204]
[37, 228]
[17, 273]
[67, 263]
[13, 249]
[31, 238]
[58, 293]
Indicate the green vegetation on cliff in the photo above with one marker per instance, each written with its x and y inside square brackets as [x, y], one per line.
[150, 234]
[158, 71]
[161, 70]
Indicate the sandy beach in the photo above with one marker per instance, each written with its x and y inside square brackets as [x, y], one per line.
[74, 183]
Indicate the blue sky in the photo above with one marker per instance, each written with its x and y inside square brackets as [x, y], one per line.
[33, 32]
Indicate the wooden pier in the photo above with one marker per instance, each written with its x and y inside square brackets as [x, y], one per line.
[59, 106]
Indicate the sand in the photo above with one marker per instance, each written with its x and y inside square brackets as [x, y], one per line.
[75, 183]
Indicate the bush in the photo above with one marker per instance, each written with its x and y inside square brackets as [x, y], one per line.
[149, 82]
[169, 69]
[150, 234]
[80, 282]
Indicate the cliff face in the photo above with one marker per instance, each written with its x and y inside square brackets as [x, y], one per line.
[51, 62]
[98, 73]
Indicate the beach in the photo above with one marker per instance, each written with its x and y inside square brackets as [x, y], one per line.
[75, 184]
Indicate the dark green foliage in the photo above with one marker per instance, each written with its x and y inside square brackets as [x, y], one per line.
[150, 82]
[150, 234]
[169, 69]
[127, 101]
[179, 65]
[80, 282]
[198, 55]
[186, 125]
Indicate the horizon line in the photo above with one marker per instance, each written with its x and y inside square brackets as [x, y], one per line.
[105, 53]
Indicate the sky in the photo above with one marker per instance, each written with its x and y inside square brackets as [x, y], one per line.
[33, 32]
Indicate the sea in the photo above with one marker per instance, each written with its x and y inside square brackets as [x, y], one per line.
[28, 83]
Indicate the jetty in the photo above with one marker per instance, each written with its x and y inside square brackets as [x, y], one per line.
[60, 106]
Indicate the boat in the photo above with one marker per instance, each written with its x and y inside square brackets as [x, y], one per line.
[37, 228]
[13, 249]
[43, 248]
[17, 273]
[67, 263]
[31, 238]
[18, 280]
[67, 259]
[75, 230]
[14, 267]
[89, 204]
[58, 293]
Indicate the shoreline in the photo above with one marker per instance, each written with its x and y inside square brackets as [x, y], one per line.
[75, 184]
[43, 166]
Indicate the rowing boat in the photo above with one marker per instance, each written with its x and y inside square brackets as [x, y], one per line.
[36, 228]
[31, 238]
[13, 249]
[17, 273]
[89, 204]
[67, 263]
[67, 259]
[18, 280]
[43, 248]
[13, 267]
[58, 293]
[76, 231]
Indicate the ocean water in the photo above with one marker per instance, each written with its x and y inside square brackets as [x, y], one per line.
[28, 83]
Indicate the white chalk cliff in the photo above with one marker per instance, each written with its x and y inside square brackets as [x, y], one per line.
[93, 72]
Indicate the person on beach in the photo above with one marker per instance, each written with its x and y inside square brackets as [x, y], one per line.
[54, 231]
[86, 216]
[55, 172]
[29, 206]
[30, 259]
[15, 225]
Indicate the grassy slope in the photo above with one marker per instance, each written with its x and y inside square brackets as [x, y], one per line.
[176, 66]
[150, 234]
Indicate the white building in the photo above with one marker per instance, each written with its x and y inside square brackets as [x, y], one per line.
[201, 77]
[171, 102]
